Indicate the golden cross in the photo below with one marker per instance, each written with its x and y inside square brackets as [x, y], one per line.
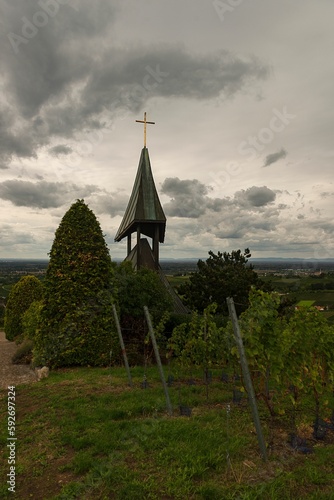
[145, 123]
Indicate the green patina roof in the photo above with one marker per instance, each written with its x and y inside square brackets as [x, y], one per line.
[144, 206]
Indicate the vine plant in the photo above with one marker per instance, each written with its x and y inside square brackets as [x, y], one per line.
[199, 343]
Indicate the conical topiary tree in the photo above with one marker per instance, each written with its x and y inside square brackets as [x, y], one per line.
[76, 319]
[21, 296]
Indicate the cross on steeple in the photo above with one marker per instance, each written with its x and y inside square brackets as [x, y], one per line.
[145, 123]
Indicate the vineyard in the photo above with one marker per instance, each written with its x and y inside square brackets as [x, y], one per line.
[86, 433]
[290, 358]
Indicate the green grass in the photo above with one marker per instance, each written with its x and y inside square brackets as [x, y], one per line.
[305, 303]
[178, 280]
[84, 433]
[321, 296]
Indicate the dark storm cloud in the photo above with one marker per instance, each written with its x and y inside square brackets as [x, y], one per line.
[173, 186]
[143, 72]
[14, 139]
[41, 194]
[60, 149]
[54, 54]
[249, 213]
[189, 198]
[68, 76]
[273, 157]
[240, 219]
[255, 196]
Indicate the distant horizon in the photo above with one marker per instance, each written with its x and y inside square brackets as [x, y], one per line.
[166, 259]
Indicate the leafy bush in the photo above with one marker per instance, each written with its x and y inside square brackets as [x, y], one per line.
[137, 289]
[22, 294]
[76, 319]
[199, 342]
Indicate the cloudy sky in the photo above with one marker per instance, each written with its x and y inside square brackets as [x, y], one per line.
[241, 92]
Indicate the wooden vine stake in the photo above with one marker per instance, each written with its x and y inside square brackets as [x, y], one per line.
[157, 357]
[247, 378]
[121, 341]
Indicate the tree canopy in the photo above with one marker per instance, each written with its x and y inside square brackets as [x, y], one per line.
[76, 319]
[222, 275]
[137, 289]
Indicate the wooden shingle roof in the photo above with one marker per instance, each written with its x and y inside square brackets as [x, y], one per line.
[144, 207]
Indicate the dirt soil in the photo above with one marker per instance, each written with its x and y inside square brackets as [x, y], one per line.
[12, 374]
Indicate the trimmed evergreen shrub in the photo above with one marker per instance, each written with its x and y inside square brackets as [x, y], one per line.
[76, 319]
[21, 295]
[31, 319]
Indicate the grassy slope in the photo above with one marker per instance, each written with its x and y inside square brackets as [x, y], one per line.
[83, 433]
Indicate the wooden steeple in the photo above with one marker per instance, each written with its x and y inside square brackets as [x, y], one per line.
[144, 215]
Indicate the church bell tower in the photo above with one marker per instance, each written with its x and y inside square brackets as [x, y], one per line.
[143, 216]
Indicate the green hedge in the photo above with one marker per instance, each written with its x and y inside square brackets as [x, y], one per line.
[21, 296]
